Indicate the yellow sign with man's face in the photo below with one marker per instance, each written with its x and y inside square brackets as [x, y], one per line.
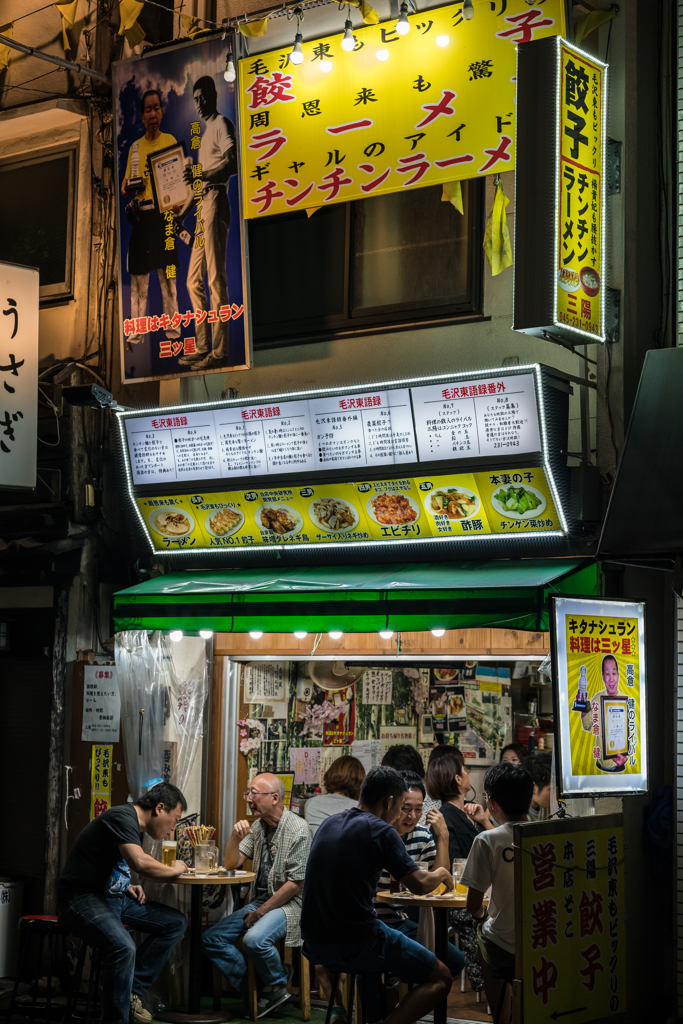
[580, 243]
[397, 111]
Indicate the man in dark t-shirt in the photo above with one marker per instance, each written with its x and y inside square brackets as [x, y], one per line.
[348, 854]
[94, 902]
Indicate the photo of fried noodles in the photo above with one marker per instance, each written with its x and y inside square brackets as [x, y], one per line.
[334, 514]
[225, 520]
[172, 524]
[279, 520]
[453, 503]
[393, 509]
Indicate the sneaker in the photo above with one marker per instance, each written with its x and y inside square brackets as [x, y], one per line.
[192, 357]
[211, 363]
[276, 997]
[137, 1010]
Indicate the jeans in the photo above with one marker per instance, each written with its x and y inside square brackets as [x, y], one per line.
[258, 943]
[100, 921]
[387, 949]
[455, 960]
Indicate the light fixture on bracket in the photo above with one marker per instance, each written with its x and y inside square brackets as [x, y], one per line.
[403, 25]
[229, 74]
[348, 42]
[297, 54]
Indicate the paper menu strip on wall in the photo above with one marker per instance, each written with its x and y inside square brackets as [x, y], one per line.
[368, 752]
[265, 681]
[377, 686]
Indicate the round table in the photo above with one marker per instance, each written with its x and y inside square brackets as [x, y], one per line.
[194, 1014]
[441, 905]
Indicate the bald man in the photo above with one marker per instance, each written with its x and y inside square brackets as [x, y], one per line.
[277, 843]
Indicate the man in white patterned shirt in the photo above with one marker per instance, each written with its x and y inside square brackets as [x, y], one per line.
[278, 845]
[428, 846]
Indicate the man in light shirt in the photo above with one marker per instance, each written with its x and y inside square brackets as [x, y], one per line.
[218, 160]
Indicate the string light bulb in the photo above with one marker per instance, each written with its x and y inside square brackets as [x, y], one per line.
[300, 634]
[255, 634]
[348, 42]
[386, 634]
[175, 635]
[438, 632]
[229, 74]
[335, 634]
[467, 10]
[403, 25]
[297, 54]
[206, 634]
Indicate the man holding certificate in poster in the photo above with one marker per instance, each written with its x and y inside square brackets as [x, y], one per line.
[608, 711]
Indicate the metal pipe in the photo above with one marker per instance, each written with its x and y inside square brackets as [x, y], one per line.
[59, 61]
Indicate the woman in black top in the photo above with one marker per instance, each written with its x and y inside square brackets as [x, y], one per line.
[448, 780]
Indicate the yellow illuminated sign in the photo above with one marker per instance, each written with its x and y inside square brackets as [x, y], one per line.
[580, 264]
[573, 923]
[511, 501]
[100, 779]
[396, 112]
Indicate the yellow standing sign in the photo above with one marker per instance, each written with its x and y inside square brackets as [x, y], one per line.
[580, 246]
[395, 112]
[570, 927]
[599, 662]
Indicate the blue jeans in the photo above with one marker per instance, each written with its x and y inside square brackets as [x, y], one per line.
[387, 950]
[258, 943]
[100, 921]
[455, 961]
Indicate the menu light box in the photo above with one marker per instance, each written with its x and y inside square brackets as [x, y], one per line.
[291, 438]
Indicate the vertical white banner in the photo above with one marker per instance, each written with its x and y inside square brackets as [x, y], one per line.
[19, 299]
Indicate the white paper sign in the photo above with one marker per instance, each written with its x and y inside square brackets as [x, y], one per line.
[377, 686]
[391, 735]
[265, 681]
[19, 297]
[304, 763]
[101, 704]
[368, 752]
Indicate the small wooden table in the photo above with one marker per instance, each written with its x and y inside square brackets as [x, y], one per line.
[194, 1014]
[441, 905]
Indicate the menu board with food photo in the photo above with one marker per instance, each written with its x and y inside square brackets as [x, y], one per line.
[393, 509]
[517, 500]
[335, 513]
[171, 523]
[452, 505]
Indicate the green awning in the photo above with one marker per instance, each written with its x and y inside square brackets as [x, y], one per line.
[509, 594]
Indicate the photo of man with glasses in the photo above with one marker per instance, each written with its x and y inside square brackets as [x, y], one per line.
[278, 844]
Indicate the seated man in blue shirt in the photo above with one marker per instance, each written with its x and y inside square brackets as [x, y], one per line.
[338, 923]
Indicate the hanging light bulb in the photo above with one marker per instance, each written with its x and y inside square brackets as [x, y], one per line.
[300, 634]
[229, 74]
[348, 42]
[255, 634]
[297, 54]
[386, 634]
[206, 634]
[438, 632]
[382, 55]
[175, 635]
[467, 10]
[403, 25]
[326, 66]
[335, 634]
[442, 40]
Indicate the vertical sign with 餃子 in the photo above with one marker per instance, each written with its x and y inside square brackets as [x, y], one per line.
[580, 190]
[395, 112]
[19, 296]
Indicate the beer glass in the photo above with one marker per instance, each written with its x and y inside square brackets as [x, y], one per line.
[201, 859]
[169, 851]
[458, 868]
[213, 855]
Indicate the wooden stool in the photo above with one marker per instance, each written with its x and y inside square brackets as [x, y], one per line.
[304, 984]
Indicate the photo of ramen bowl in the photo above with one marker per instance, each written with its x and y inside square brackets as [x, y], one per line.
[590, 281]
[170, 522]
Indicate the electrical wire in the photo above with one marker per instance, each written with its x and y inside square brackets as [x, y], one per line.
[6, 88]
[51, 404]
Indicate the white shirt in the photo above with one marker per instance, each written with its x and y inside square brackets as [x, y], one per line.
[218, 140]
[490, 865]
[318, 808]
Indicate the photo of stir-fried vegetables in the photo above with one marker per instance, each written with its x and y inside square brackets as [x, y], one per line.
[519, 501]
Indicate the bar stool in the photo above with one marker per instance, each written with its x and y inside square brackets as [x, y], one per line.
[93, 1009]
[352, 988]
[42, 927]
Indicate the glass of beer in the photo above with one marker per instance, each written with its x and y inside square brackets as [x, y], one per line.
[458, 868]
[213, 855]
[169, 851]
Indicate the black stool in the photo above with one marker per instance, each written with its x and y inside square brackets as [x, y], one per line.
[93, 1008]
[42, 927]
[360, 1002]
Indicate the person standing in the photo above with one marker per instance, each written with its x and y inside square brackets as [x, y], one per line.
[91, 907]
[218, 161]
[147, 246]
[277, 844]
